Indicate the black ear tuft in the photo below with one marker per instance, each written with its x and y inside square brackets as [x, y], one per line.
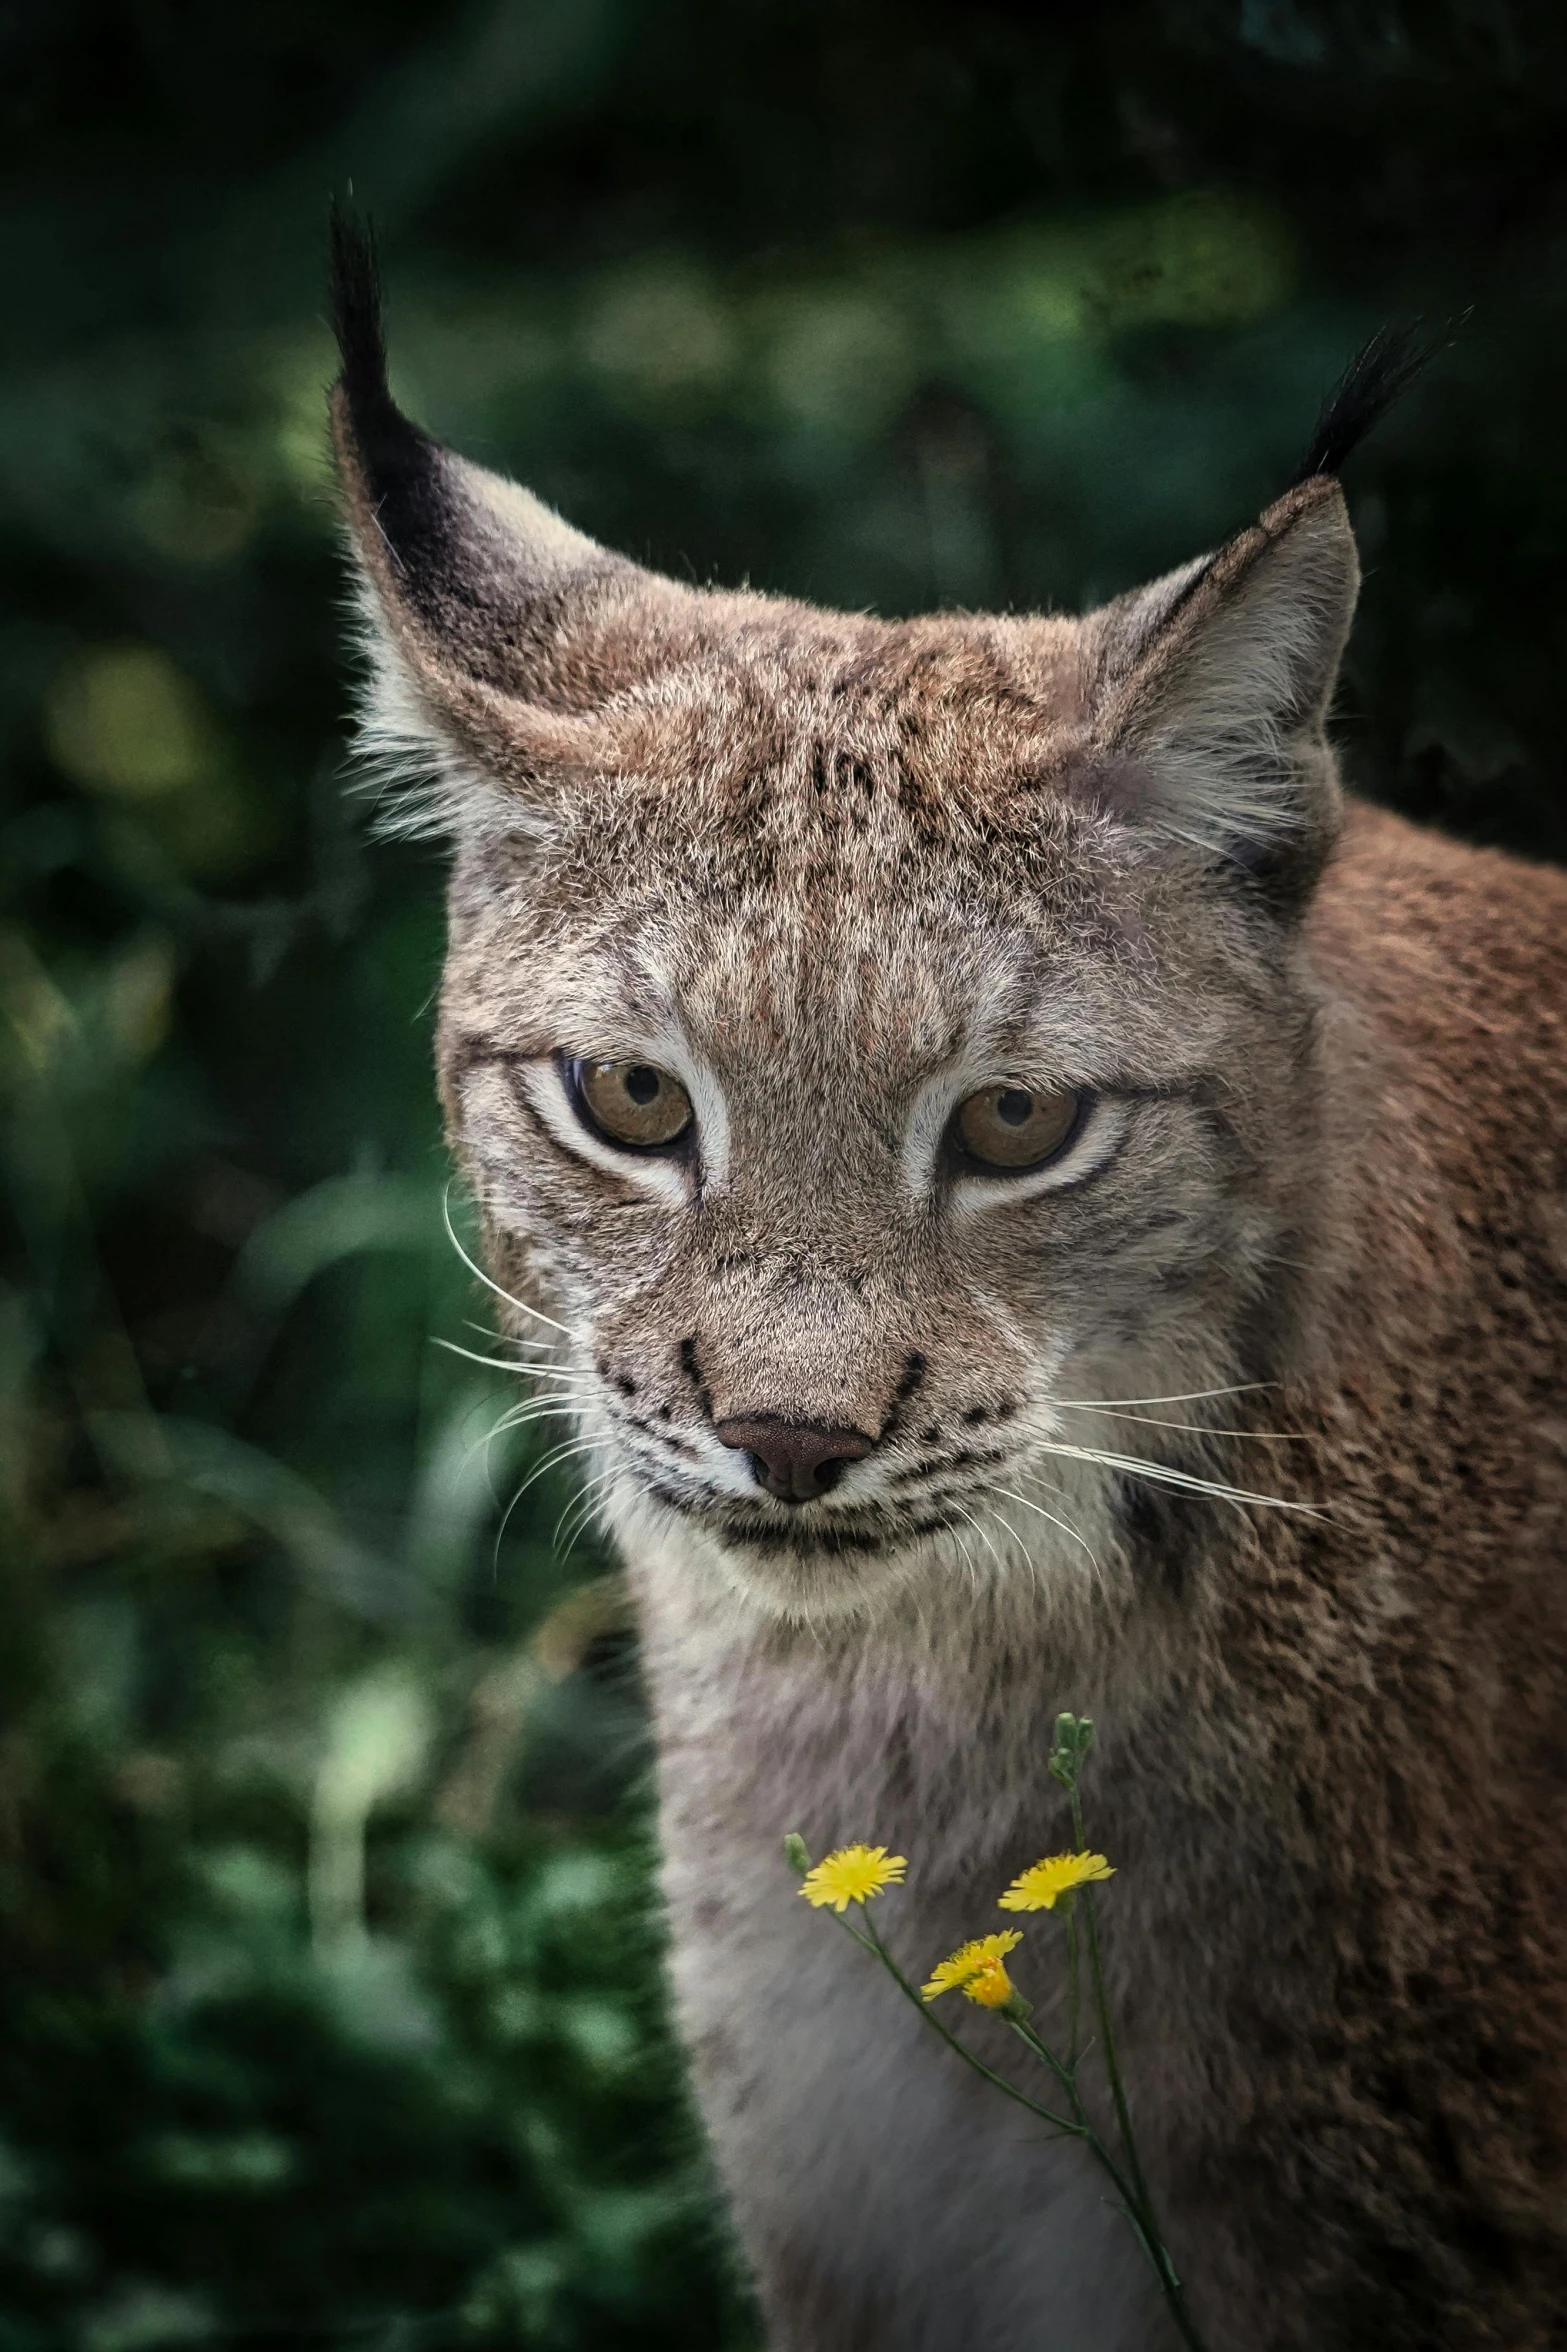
[354, 285]
[397, 466]
[394, 452]
[1380, 373]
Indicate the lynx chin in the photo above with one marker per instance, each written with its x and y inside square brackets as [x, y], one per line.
[1029, 1199]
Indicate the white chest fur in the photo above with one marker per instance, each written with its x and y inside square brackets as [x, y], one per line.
[885, 2196]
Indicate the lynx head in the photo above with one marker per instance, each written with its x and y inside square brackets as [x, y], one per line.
[868, 1041]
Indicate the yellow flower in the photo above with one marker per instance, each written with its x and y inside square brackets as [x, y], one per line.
[992, 1988]
[971, 1961]
[852, 1875]
[1044, 1883]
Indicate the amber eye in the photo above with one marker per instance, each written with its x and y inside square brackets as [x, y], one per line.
[631, 1102]
[1016, 1127]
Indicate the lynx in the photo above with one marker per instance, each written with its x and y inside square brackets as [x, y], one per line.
[1028, 1198]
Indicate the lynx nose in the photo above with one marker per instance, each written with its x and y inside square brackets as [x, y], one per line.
[794, 1460]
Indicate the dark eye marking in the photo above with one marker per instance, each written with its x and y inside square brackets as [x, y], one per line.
[474, 1052]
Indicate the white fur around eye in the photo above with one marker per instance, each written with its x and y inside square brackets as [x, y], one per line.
[1096, 1141]
[545, 1087]
[669, 1051]
[1098, 1135]
[934, 1106]
[666, 1179]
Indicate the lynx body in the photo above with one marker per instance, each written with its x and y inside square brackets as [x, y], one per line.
[1235, 1419]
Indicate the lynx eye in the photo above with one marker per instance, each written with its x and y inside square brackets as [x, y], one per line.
[1016, 1126]
[630, 1103]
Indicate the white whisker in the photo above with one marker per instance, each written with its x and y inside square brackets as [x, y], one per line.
[503, 1338]
[1065, 1525]
[519, 1417]
[1189, 1396]
[1012, 1536]
[517, 1371]
[1135, 1466]
[980, 1532]
[967, 1558]
[552, 1461]
[562, 1453]
[511, 1339]
[544, 1408]
[580, 1510]
[1206, 1428]
[539, 1408]
[521, 1305]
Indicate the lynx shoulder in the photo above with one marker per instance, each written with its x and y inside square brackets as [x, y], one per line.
[1034, 1203]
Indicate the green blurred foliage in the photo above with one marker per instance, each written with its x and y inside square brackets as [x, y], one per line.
[331, 2002]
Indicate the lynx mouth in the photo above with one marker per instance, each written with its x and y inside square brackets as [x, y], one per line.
[776, 1538]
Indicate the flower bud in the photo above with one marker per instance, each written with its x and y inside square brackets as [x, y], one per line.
[1074, 1736]
[795, 1853]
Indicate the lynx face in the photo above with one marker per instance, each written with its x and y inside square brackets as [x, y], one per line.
[879, 1048]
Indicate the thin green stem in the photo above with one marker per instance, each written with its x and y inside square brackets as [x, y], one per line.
[1032, 2042]
[1112, 2065]
[1058, 2067]
[1141, 2202]
[1085, 1896]
[871, 1942]
[1076, 2126]
[1073, 1990]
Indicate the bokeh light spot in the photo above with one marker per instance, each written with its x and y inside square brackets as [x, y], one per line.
[126, 721]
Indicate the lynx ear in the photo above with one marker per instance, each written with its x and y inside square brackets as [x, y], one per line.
[480, 603]
[1211, 689]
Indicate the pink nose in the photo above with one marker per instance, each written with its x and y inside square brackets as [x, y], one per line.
[794, 1460]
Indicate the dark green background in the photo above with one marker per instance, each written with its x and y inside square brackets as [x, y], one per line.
[883, 305]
